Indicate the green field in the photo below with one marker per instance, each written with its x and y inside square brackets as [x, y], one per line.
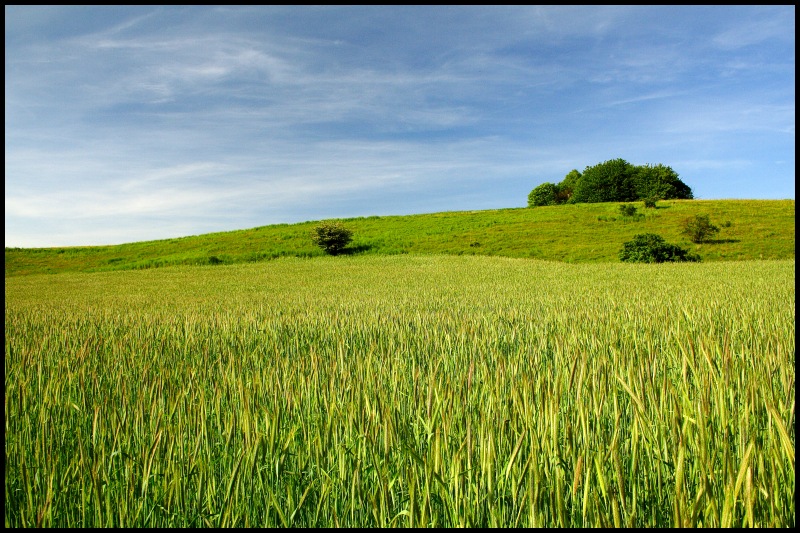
[579, 233]
[408, 390]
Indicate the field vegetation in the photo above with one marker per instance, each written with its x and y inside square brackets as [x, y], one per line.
[573, 233]
[409, 390]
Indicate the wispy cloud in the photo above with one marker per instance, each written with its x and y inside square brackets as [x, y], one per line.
[757, 28]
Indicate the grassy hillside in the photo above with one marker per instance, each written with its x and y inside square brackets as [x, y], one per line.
[584, 233]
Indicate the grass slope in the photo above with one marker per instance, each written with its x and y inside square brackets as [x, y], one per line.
[582, 233]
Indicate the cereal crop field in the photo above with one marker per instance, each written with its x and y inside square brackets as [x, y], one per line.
[402, 391]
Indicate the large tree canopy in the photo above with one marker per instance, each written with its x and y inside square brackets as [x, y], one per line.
[659, 181]
[612, 181]
[615, 180]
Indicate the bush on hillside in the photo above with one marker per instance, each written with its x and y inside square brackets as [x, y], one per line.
[332, 237]
[627, 210]
[699, 228]
[651, 248]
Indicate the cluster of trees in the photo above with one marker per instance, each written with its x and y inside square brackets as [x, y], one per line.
[613, 181]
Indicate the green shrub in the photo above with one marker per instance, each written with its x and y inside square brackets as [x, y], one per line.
[651, 248]
[332, 237]
[650, 202]
[699, 228]
[627, 210]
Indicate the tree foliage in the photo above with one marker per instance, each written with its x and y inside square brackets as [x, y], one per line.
[611, 181]
[615, 180]
[651, 248]
[544, 194]
[332, 237]
[660, 182]
[567, 186]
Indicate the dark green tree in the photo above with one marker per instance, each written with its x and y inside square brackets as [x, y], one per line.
[332, 237]
[661, 182]
[610, 181]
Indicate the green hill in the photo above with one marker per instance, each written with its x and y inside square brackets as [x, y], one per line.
[577, 233]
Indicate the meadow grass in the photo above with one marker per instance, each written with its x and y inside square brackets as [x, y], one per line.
[581, 233]
[402, 391]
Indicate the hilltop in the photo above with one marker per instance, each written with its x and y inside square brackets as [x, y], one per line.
[574, 233]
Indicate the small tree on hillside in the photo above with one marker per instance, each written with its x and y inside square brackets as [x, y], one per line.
[332, 237]
[699, 228]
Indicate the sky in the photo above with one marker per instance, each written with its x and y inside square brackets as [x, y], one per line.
[134, 123]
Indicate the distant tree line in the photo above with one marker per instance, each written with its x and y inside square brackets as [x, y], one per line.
[615, 180]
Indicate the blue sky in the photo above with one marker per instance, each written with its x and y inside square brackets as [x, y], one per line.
[125, 124]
